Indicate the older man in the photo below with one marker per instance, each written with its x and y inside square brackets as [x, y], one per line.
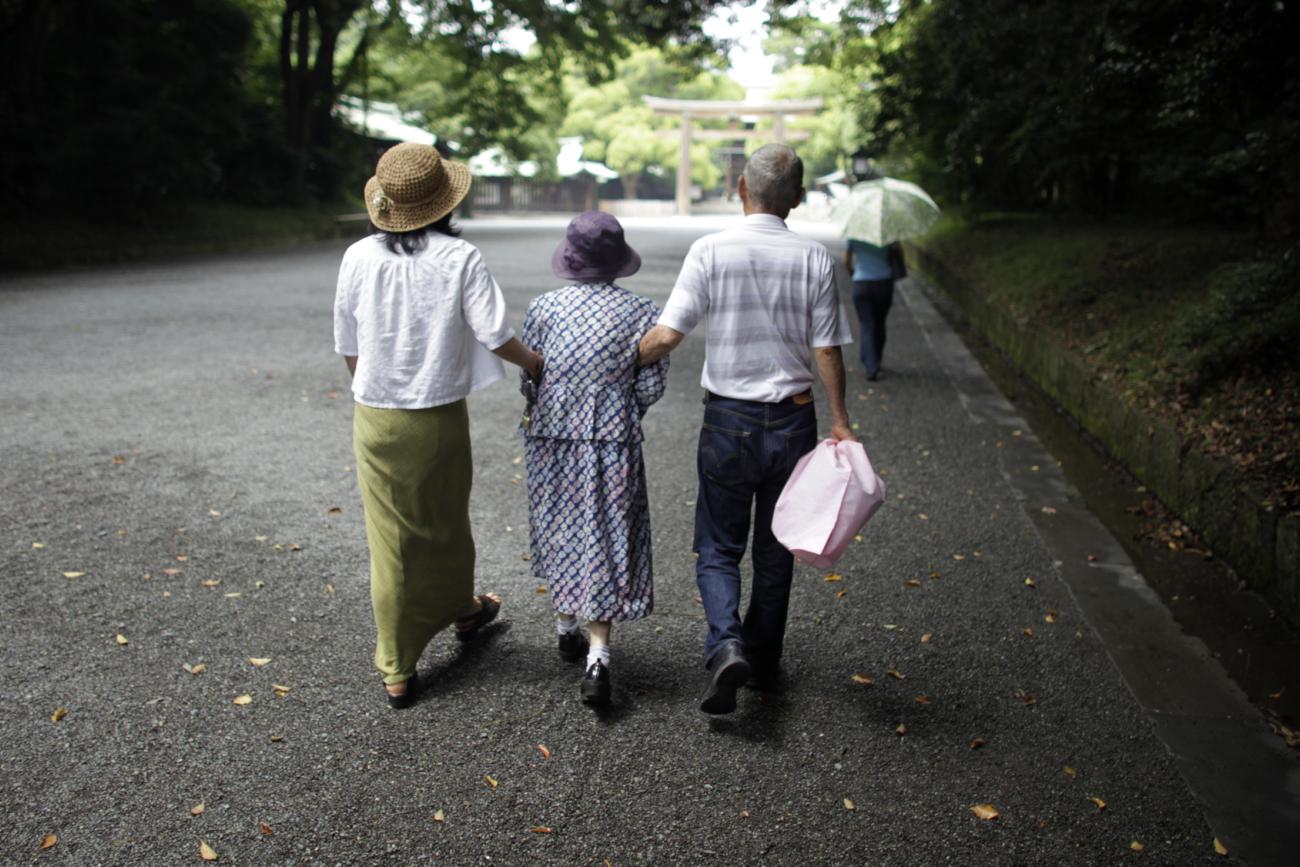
[773, 316]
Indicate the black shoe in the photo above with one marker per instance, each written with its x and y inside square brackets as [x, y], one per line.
[728, 670]
[406, 699]
[573, 646]
[873, 376]
[595, 684]
[765, 677]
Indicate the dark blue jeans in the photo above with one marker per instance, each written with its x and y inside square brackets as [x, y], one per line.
[872, 300]
[747, 450]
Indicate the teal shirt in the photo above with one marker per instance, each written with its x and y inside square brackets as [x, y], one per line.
[870, 262]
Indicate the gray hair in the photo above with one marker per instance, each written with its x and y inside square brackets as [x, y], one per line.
[773, 177]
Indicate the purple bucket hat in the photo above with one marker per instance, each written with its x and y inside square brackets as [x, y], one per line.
[593, 248]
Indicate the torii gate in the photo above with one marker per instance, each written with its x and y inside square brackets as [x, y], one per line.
[779, 109]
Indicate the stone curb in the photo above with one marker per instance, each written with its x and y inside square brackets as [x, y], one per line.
[1261, 545]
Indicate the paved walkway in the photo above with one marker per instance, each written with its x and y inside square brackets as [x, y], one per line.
[178, 492]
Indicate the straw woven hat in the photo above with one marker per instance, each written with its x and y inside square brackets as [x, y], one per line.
[413, 186]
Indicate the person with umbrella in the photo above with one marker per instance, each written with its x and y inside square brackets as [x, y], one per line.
[874, 217]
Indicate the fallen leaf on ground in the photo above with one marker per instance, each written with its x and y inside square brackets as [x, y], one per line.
[1101, 805]
[171, 571]
[206, 852]
[935, 576]
[211, 582]
[901, 730]
[280, 689]
[895, 674]
[196, 669]
[985, 811]
[849, 805]
[862, 679]
[1028, 631]
[1219, 847]
[49, 840]
[258, 661]
[922, 699]
[294, 546]
[182, 558]
[59, 713]
[834, 576]
[525, 557]
[518, 459]
[329, 589]
[260, 538]
[1071, 772]
[1277, 695]
[923, 516]
[334, 510]
[73, 574]
[439, 816]
[121, 639]
[40, 545]
[1050, 616]
[912, 582]
[265, 829]
[1136, 846]
[744, 814]
[959, 556]
[1049, 510]
[840, 594]
[889, 625]
[214, 513]
[977, 743]
[1029, 582]
[541, 588]
[1025, 697]
[234, 594]
[197, 809]
[541, 829]
[925, 639]
[490, 780]
[243, 699]
[544, 750]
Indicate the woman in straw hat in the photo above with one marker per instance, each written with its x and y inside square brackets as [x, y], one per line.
[589, 516]
[421, 324]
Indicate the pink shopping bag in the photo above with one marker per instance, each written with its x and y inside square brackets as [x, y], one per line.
[830, 495]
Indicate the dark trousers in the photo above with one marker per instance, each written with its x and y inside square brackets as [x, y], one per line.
[747, 450]
[872, 300]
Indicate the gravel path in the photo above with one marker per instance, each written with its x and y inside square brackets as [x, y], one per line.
[176, 468]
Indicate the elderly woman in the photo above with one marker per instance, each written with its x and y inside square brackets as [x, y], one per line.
[589, 515]
[421, 324]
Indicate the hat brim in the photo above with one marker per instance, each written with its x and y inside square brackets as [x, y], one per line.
[630, 265]
[406, 218]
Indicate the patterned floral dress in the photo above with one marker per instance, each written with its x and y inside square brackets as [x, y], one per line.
[589, 516]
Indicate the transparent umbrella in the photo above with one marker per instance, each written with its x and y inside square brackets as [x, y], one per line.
[884, 211]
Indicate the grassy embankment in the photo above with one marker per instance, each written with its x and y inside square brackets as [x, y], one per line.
[208, 229]
[1197, 325]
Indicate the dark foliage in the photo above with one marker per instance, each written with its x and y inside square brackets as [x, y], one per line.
[1168, 106]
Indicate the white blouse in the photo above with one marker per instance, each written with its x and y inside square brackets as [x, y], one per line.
[420, 325]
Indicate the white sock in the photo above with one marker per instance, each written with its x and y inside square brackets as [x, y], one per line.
[598, 653]
[566, 627]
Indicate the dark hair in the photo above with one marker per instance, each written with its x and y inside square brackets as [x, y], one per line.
[414, 240]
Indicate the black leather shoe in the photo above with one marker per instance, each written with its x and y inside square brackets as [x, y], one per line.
[404, 700]
[595, 685]
[728, 670]
[573, 646]
[765, 677]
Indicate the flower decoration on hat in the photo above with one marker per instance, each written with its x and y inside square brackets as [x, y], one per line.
[379, 201]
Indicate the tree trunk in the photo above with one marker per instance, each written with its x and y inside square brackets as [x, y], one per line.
[629, 184]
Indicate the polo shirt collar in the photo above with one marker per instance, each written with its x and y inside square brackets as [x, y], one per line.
[769, 220]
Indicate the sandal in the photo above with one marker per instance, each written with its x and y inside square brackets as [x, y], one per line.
[468, 627]
[403, 700]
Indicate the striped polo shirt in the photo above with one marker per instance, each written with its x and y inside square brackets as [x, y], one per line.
[769, 297]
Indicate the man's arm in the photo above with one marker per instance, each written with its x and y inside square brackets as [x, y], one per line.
[830, 369]
[352, 364]
[658, 342]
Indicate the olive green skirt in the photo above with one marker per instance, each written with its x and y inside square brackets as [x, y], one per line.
[414, 471]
